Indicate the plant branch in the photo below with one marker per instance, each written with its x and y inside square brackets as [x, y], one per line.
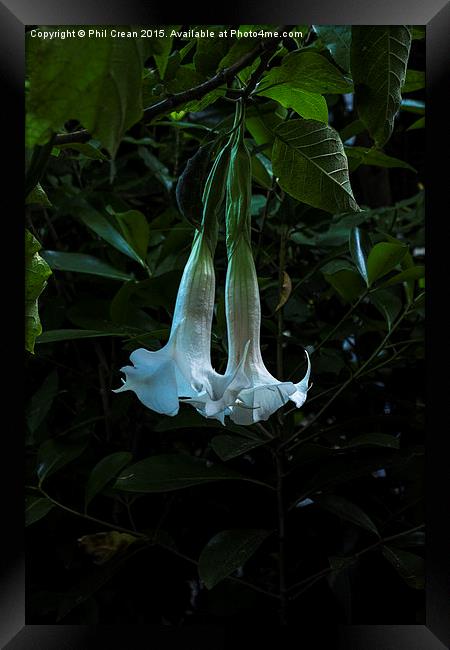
[197, 92]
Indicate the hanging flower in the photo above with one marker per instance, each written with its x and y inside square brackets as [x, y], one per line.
[266, 394]
[182, 368]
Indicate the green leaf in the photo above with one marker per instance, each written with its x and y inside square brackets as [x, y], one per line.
[262, 170]
[383, 258]
[409, 566]
[360, 244]
[42, 400]
[309, 71]
[226, 552]
[388, 304]
[347, 283]
[227, 446]
[55, 454]
[347, 510]
[413, 273]
[418, 124]
[94, 80]
[38, 196]
[309, 105]
[102, 227]
[53, 336]
[309, 159]
[36, 273]
[104, 472]
[135, 229]
[373, 440]
[190, 184]
[379, 58]
[363, 156]
[337, 39]
[415, 80]
[81, 263]
[173, 472]
[36, 508]
[86, 149]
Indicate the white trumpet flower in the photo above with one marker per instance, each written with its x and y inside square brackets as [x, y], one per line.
[182, 370]
[266, 394]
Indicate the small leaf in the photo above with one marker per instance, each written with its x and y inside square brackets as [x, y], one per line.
[42, 400]
[226, 552]
[81, 263]
[360, 245]
[135, 229]
[104, 472]
[285, 291]
[36, 508]
[418, 124]
[345, 281]
[55, 454]
[38, 196]
[410, 567]
[346, 510]
[415, 80]
[363, 156]
[309, 105]
[169, 472]
[412, 273]
[228, 446]
[383, 258]
[102, 547]
[388, 304]
[36, 273]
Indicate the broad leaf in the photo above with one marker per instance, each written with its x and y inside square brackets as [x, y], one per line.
[226, 552]
[81, 263]
[36, 273]
[346, 510]
[337, 39]
[94, 80]
[36, 508]
[227, 446]
[309, 105]
[104, 472]
[388, 304]
[191, 183]
[344, 279]
[309, 159]
[412, 273]
[379, 58]
[309, 71]
[169, 472]
[410, 567]
[134, 227]
[55, 454]
[383, 258]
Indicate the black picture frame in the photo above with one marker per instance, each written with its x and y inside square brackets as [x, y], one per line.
[435, 14]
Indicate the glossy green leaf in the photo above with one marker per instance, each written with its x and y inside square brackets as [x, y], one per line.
[55, 454]
[169, 472]
[81, 263]
[347, 510]
[94, 80]
[346, 282]
[337, 39]
[103, 228]
[309, 160]
[412, 273]
[226, 552]
[36, 273]
[410, 567]
[383, 258]
[36, 508]
[309, 105]
[227, 446]
[309, 71]
[41, 402]
[134, 227]
[104, 472]
[379, 58]
[360, 245]
[388, 304]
